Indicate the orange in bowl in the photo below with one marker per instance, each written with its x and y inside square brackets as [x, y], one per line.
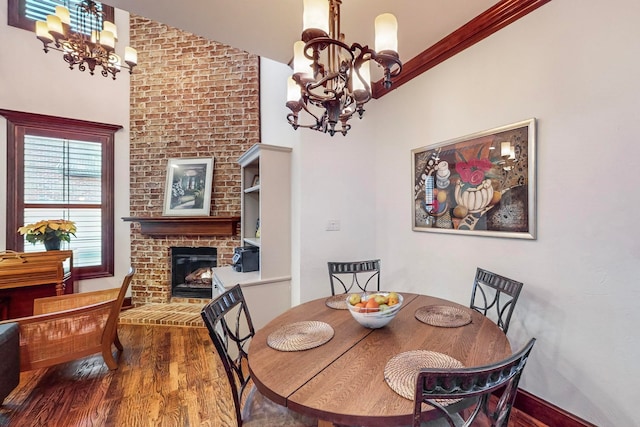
[371, 306]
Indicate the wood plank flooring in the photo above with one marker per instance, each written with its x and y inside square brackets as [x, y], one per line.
[168, 376]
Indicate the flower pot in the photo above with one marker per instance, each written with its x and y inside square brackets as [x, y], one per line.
[52, 244]
[475, 199]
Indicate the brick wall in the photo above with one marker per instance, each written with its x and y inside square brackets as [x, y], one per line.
[190, 97]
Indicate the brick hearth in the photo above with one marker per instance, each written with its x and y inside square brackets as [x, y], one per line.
[172, 314]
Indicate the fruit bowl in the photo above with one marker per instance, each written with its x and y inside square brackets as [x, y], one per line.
[370, 315]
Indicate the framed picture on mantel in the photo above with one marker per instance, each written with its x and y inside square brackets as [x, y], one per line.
[188, 187]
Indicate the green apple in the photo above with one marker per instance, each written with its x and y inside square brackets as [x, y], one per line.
[354, 299]
[383, 307]
[380, 299]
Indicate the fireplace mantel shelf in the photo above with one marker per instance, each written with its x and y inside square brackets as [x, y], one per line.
[187, 225]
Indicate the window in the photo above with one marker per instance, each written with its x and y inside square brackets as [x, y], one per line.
[24, 13]
[62, 168]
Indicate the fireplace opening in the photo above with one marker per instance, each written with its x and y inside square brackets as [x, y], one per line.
[192, 272]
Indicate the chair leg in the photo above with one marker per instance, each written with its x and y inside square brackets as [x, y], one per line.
[117, 342]
[109, 360]
[107, 355]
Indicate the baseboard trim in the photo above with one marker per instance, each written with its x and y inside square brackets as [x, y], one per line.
[547, 412]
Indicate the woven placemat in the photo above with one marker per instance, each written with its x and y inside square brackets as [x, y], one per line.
[445, 316]
[339, 302]
[401, 370]
[300, 336]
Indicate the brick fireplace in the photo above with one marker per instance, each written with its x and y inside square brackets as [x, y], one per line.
[190, 97]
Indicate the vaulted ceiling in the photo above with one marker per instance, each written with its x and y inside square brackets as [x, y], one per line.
[270, 27]
[430, 31]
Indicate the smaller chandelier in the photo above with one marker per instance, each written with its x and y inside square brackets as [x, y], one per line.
[331, 80]
[91, 44]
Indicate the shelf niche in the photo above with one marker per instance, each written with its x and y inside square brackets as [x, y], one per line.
[187, 225]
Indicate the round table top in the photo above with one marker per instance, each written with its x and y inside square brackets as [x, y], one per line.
[342, 381]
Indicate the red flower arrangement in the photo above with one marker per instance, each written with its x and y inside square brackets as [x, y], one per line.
[473, 172]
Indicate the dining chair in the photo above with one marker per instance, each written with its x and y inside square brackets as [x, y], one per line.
[495, 294]
[440, 388]
[344, 275]
[230, 327]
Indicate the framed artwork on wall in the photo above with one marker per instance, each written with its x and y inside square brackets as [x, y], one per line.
[482, 184]
[188, 187]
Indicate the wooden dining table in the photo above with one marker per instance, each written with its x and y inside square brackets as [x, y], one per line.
[342, 381]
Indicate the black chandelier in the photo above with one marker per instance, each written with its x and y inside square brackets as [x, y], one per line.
[90, 44]
[331, 80]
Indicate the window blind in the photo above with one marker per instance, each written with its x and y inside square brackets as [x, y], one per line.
[63, 179]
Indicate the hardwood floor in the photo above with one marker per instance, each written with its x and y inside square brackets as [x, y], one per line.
[168, 376]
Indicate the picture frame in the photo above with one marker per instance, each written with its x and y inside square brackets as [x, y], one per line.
[255, 181]
[188, 187]
[483, 184]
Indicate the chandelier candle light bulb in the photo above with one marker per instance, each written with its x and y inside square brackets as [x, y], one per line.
[64, 15]
[386, 27]
[301, 64]
[130, 56]
[316, 15]
[365, 78]
[42, 32]
[110, 26]
[293, 90]
[333, 78]
[107, 40]
[54, 25]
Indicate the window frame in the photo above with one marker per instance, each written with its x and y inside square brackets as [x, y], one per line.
[20, 124]
[18, 19]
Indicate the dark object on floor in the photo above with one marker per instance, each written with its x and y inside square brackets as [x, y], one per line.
[9, 359]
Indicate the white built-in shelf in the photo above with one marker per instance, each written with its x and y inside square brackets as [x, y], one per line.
[255, 241]
[267, 205]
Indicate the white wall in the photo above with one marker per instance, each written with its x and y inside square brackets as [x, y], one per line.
[338, 182]
[327, 185]
[574, 66]
[35, 82]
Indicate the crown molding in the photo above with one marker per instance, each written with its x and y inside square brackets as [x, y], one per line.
[490, 21]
